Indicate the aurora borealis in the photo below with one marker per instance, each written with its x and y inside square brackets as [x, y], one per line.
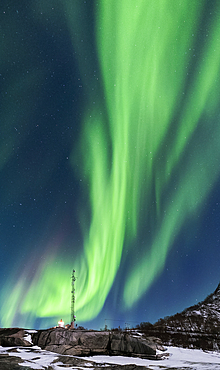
[109, 159]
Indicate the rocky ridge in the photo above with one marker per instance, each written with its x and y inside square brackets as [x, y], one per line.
[77, 342]
[89, 343]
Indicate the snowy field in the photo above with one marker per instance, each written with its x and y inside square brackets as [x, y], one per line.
[178, 358]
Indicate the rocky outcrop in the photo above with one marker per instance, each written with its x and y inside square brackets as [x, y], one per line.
[84, 343]
[10, 363]
[196, 327]
[13, 337]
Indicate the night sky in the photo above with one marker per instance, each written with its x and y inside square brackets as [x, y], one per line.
[109, 159]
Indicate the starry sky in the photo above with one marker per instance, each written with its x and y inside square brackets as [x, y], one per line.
[109, 159]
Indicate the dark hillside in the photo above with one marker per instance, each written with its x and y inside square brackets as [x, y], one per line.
[196, 327]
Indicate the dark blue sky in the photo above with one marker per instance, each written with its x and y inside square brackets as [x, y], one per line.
[50, 73]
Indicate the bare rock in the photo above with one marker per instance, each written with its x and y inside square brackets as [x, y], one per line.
[72, 342]
[124, 343]
[10, 363]
[13, 337]
[89, 343]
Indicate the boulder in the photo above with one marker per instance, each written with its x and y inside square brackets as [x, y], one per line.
[72, 342]
[13, 337]
[88, 343]
[127, 344]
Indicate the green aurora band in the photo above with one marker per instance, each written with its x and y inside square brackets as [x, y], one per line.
[158, 99]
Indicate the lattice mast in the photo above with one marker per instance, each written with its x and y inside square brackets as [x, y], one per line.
[73, 317]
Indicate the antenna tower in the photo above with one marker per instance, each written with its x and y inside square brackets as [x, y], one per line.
[73, 317]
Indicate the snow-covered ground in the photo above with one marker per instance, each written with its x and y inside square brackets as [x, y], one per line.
[34, 357]
[179, 358]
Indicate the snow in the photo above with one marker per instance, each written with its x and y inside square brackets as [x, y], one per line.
[197, 312]
[35, 360]
[27, 335]
[178, 358]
